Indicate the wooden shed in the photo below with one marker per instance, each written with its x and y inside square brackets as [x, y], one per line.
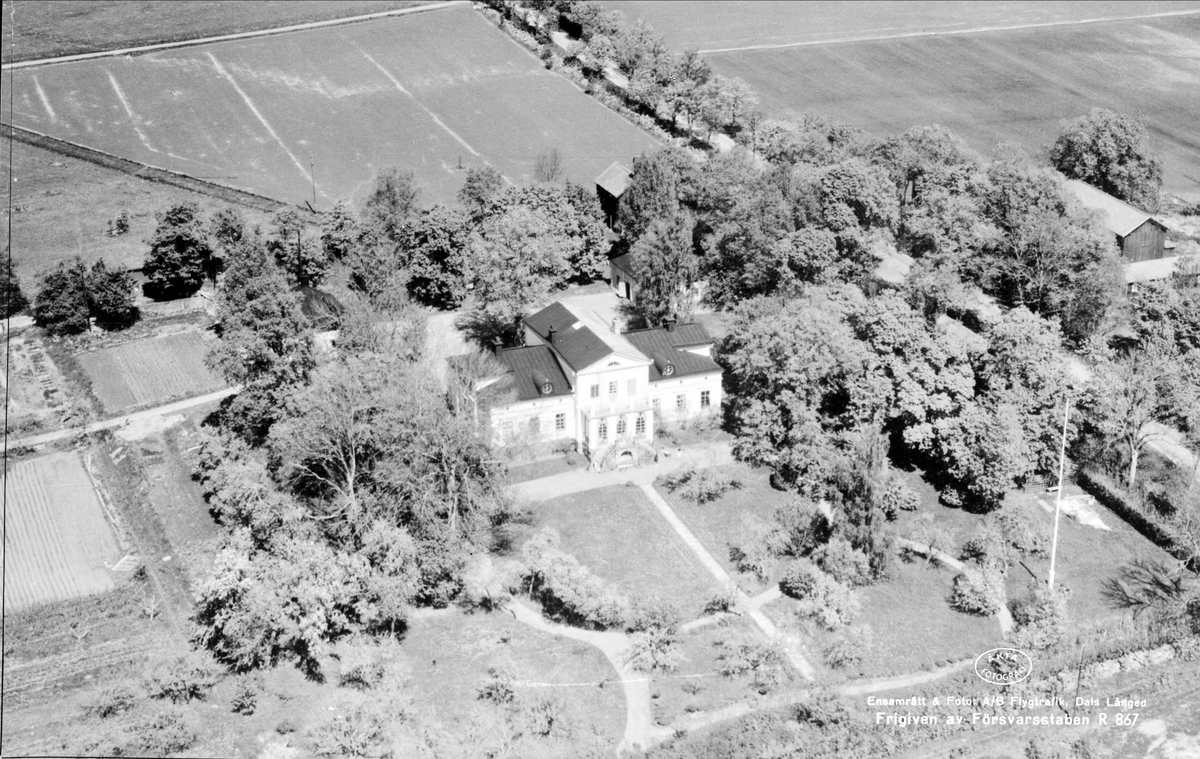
[610, 186]
[1140, 236]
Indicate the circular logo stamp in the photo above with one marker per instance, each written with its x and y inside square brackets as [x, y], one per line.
[1003, 666]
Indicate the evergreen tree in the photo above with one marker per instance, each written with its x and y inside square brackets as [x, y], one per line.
[179, 254]
[110, 297]
[12, 300]
[665, 267]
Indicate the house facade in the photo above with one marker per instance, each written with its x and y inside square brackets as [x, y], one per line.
[580, 378]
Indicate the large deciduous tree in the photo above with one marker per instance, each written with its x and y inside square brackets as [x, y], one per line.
[179, 254]
[1110, 151]
[72, 295]
[665, 266]
[432, 247]
[392, 200]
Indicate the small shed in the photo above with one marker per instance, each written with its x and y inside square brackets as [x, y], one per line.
[621, 276]
[1140, 236]
[610, 186]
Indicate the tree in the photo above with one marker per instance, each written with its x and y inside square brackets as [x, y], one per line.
[432, 247]
[61, 303]
[110, 297]
[1112, 152]
[339, 232]
[1128, 400]
[652, 195]
[12, 300]
[179, 254]
[548, 168]
[303, 260]
[392, 200]
[265, 341]
[482, 185]
[665, 266]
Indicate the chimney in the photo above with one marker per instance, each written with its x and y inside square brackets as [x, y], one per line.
[497, 344]
[550, 335]
[617, 325]
[670, 323]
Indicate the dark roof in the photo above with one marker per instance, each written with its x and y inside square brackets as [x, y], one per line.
[614, 179]
[532, 367]
[623, 261]
[665, 346]
[579, 346]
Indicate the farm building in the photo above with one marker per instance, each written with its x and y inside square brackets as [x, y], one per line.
[621, 276]
[610, 186]
[578, 378]
[1140, 236]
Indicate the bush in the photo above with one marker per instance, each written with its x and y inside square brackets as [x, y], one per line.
[802, 527]
[725, 600]
[498, 688]
[979, 591]
[700, 485]
[363, 665]
[182, 678]
[113, 699]
[1041, 619]
[566, 588]
[245, 694]
[766, 663]
[1019, 533]
[360, 732]
[898, 497]
[821, 597]
[165, 730]
[849, 648]
[653, 625]
[843, 562]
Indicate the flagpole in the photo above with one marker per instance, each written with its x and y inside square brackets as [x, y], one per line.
[1062, 461]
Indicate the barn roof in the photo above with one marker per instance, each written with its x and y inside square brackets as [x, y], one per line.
[663, 346]
[532, 367]
[1120, 217]
[623, 262]
[614, 179]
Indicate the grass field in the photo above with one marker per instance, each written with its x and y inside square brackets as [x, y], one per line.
[618, 534]
[57, 542]
[60, 28]
[427, 92]
[150, 371]
[62, 207]
[987, 87]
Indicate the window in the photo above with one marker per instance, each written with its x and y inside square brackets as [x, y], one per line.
[560, 422]
[612, 388]
[632, 386]
[620, 426]
[657, 402]
[680, 402]
[535, 425]
[705, 399]
[595, 391]
[640, 426]
[602, 430]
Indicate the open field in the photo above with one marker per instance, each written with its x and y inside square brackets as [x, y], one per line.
[987, 87]
[62, 206]
[58, 543]
[618, 534]
[428, 92]
[58, 28]
[151, 371]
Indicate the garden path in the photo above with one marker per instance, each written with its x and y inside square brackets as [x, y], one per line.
[1004, 616]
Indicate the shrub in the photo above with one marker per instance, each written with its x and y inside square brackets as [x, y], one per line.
[566, 588]
[897, 497]
[182, 678]
[653, 625]
[843, 562]
[360, 732]
[245, 694]
[700, 485]
[802, 527]
[979, 591]
[541, 715]
[849, 648]
[1018, 531]
[756, 554]
[363, 665]
[165, 730]
[498, 688]
[1041, 618]
[113, 699]
[821, 597]
[725, 600]
[766, 663]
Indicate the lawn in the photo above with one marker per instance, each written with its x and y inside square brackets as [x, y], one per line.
[41, 30]
[432, 92]
[725, 522]
[150, 371]
[62, 207]
[618, 534]
[57, 542]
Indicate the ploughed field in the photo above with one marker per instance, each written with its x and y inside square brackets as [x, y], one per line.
[321, 111]
[146, 372]
[58, 544]
[968, 67]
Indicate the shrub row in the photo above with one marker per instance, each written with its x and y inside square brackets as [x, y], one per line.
[1114, 498]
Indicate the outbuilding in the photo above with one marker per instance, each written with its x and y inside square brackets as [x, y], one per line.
[1140, 236]
[610, 186]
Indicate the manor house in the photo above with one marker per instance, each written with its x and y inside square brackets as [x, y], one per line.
[581, 378]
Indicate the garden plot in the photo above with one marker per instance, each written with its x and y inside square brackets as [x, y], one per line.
[58, 544]
[433, 92]
[150, 371]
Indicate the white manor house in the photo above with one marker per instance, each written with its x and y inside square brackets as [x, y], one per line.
[579, 377]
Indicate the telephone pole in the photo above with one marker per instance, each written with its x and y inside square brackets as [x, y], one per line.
[1062, 461]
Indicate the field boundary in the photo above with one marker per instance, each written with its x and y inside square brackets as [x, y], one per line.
[139, 49]
[151, 173]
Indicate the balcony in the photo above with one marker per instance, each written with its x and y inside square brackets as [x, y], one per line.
[597, 409]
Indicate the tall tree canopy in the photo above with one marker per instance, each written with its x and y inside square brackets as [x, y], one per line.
[392, 200]
[179, 254]
[666, 268]
[12, 300]
[1110, 151]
